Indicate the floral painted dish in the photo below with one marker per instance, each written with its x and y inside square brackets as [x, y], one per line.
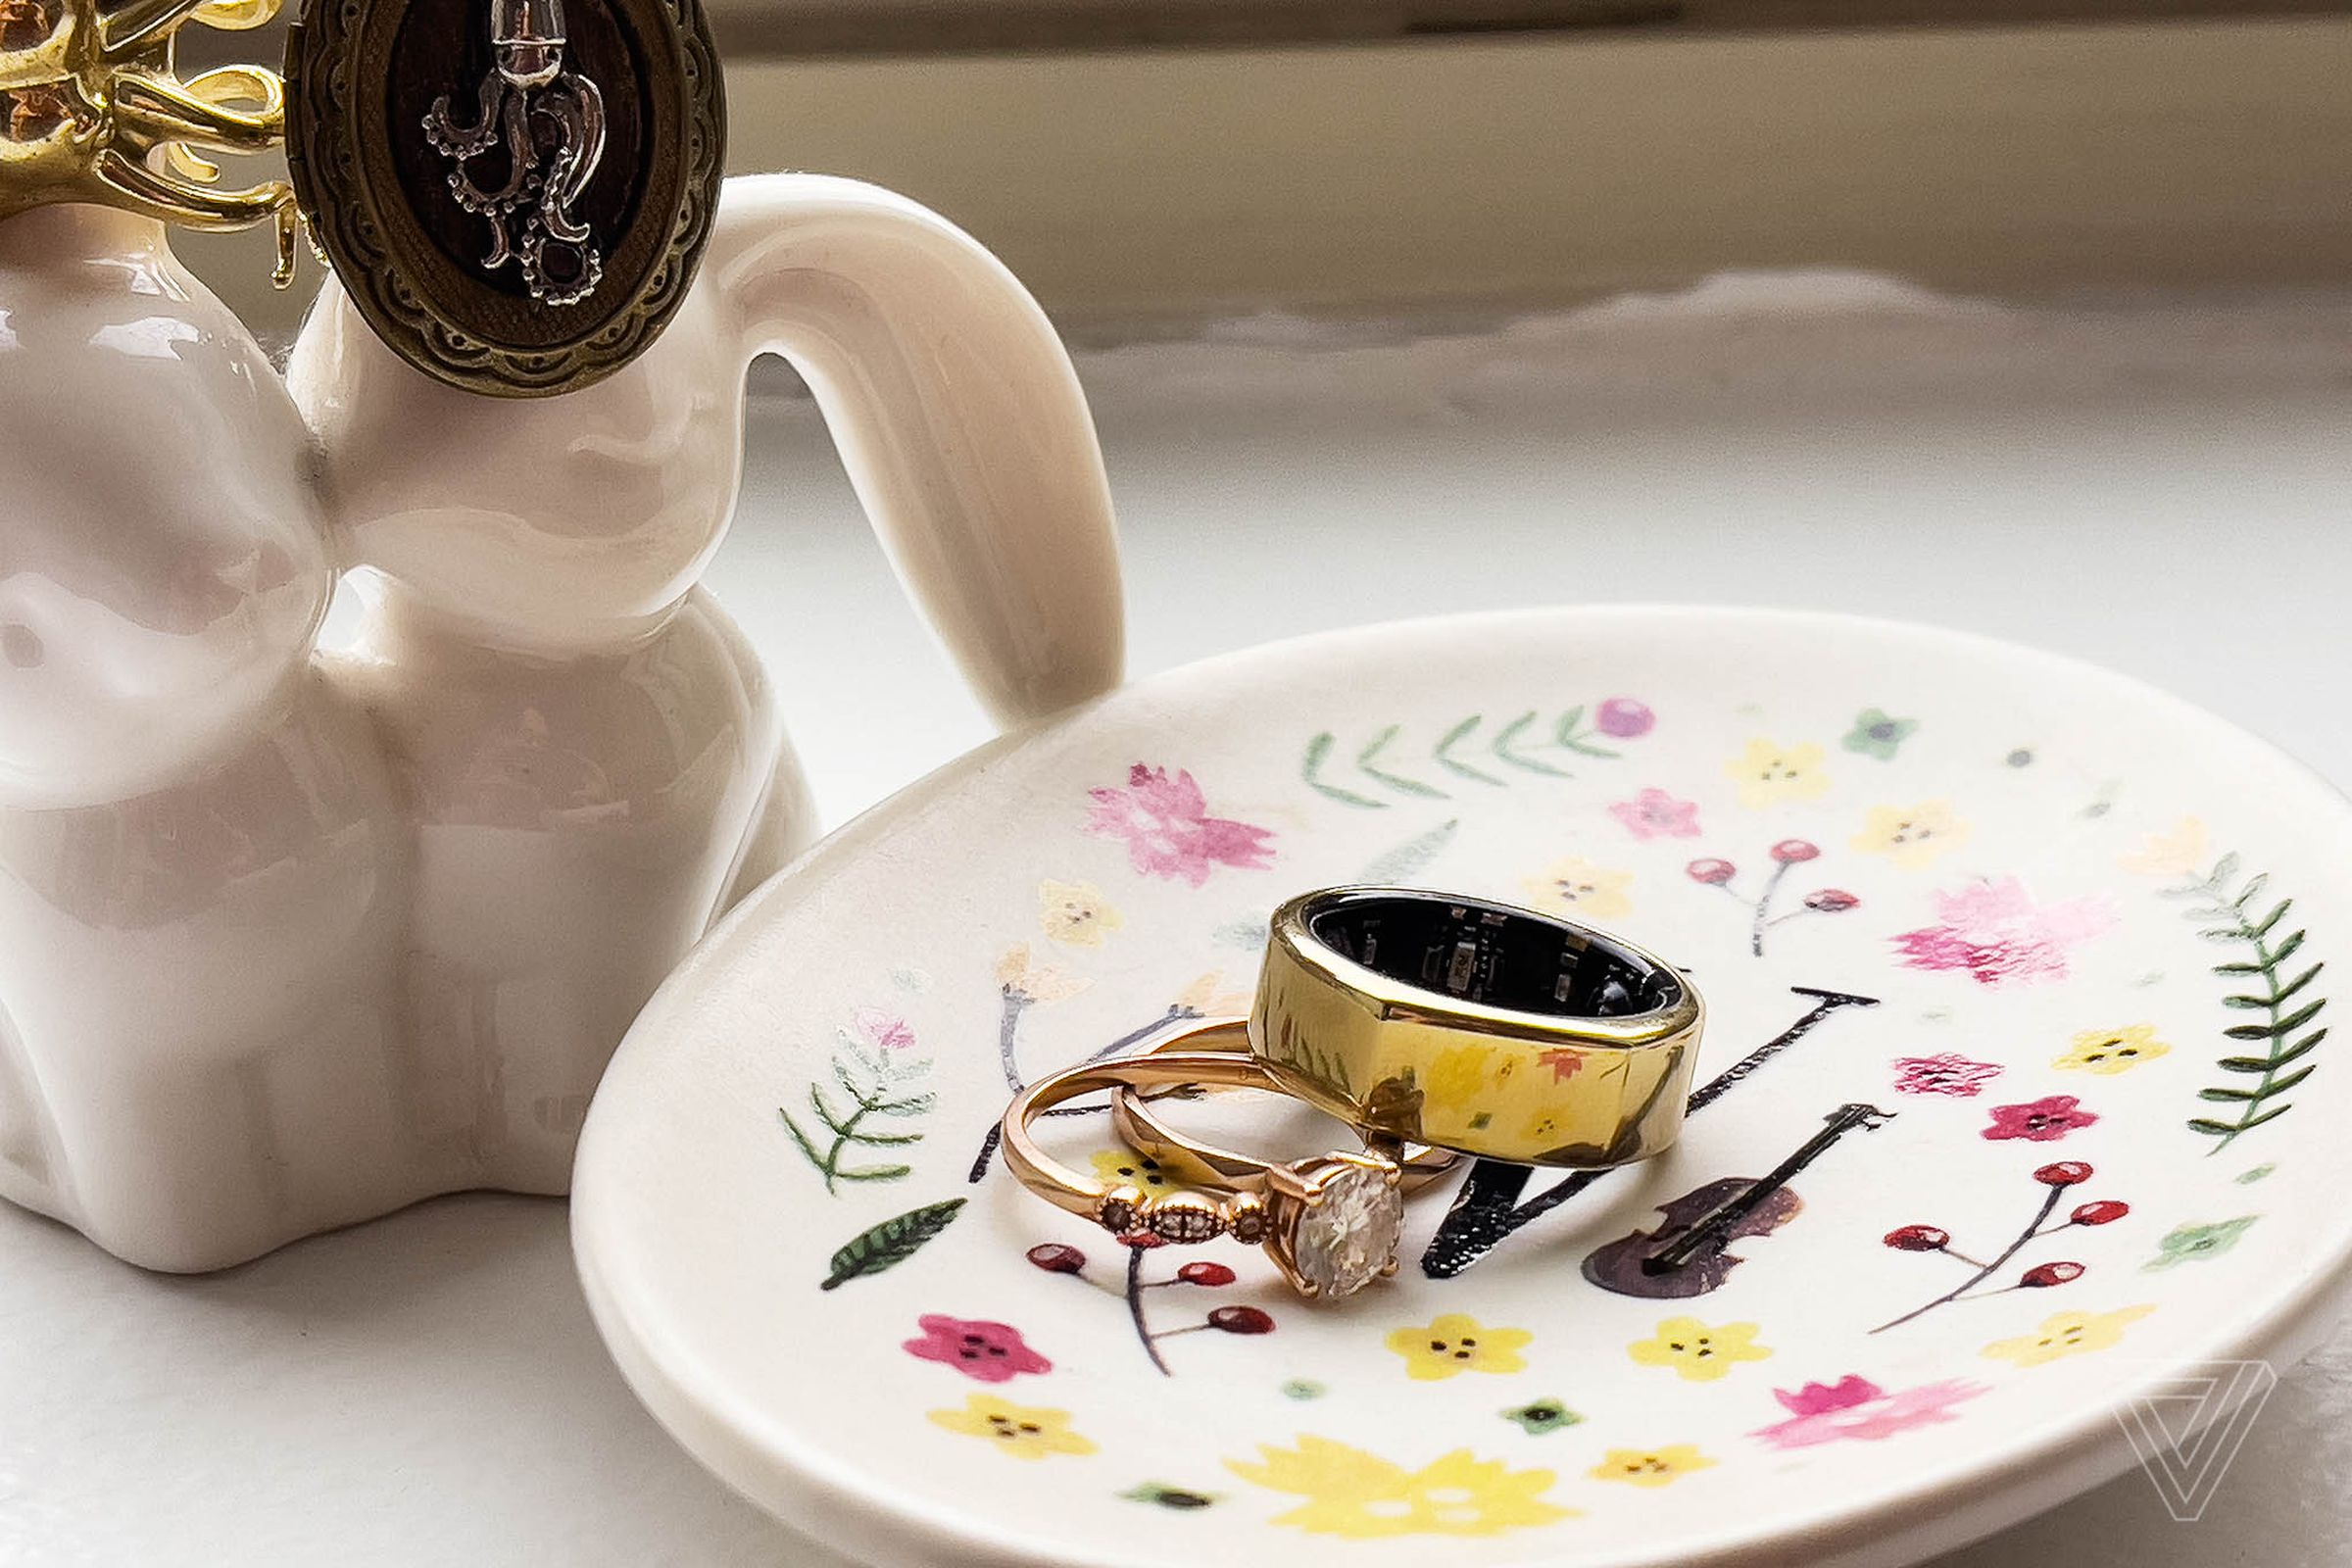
[2020, 972]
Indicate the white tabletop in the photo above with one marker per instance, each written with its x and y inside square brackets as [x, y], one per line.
[2164, 490]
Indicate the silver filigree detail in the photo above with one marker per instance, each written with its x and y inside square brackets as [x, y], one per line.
[549, 123]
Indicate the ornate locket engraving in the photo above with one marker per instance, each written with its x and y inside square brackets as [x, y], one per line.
[514, 192]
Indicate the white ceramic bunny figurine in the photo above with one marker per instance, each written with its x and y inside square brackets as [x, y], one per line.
[290, 940]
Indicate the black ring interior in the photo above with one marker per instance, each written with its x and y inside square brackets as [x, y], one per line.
[1498, 957]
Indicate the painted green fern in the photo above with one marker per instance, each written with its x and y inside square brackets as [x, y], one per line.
[1469, 749]
[874, 1070]
[2268, 981]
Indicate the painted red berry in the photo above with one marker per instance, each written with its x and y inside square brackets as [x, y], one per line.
[1831, 901]
[1142, 1241]
[1206, 1273]
[2063, 1174]
[2106, 1211]
[1795, 852]
[1714, 873]
[1055, 1258]
[1919, 1239]
[1240, 1320]
[2044, 1275]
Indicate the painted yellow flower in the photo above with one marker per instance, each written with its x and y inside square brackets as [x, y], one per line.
[1650, 1467]
[1205, 998]
[1699, 1353]
[1015, 973]
[1365, 1498]
[1124, 1167]
[1075, 913]
[1582, 888]
[1913, 837]
[1458, 1342]
[1768, 774]
[1455, 1076]
[2068, 1334]
[2179, 850]
[1014, 1429]
[2113, 1051]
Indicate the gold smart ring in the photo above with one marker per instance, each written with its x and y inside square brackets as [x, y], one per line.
[1475, 1026]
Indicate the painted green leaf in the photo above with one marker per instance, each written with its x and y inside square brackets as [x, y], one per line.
[893, 1242]
[1508, 737]
[2271, 1114]
[2298, 1018]
[2300, 1047]
[867, 1136]
[1183, 1499]
[1401, 864]
[2280, 1086]
[800, 1138]
[2297, 983]
[871, 1173]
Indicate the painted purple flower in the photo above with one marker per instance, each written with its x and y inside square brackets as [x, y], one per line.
[1994, 931]
[1856, 1409]
[1168, 830]
[1625, 718]
[1948, 1074]
[2039, 1121]
[990, 1352]
[1655, 814]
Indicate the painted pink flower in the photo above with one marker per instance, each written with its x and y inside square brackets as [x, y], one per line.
[1994, 931]
[1856, 1409]
[1655, 814]
[1947, 1074]
[990, 1352]
[2039, 1121]
[885, 1031]
[1168, 830]
[1624, 718]
[1564, 1063]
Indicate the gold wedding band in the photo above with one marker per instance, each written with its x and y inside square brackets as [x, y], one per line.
[1196, 1163]
[1429, 1018]
[1330, 1224]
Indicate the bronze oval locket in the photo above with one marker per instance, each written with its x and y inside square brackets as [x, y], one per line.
[515, 193]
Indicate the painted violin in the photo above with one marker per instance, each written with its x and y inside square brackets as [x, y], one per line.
[1688, 1251]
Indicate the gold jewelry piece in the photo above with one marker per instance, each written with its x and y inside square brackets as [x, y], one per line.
[1424, 1018]
[92, 109]
[1331, 1223]
[1196, 1163]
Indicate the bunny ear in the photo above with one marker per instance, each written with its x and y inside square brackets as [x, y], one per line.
[957, 416]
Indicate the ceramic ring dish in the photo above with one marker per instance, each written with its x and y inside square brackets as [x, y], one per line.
[2030, 963]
